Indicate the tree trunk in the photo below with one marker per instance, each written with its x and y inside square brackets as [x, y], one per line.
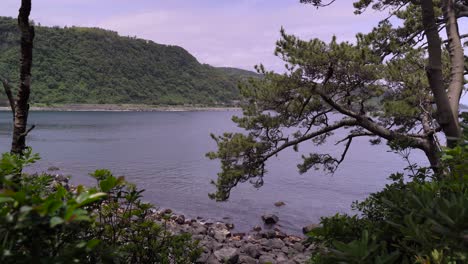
[21, 107]
[457, 60]
[445, 117]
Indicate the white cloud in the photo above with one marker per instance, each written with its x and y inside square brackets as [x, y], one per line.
[238, 36]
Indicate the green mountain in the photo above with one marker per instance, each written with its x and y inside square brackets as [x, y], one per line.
[92, 65]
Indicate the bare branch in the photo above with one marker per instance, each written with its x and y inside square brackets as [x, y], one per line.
[27, 131]
[9, 94]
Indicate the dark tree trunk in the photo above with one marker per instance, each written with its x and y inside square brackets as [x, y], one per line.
[21, 107]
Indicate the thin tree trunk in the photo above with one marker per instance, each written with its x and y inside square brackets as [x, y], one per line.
[22, 106]
[445, 117]
[457, 60]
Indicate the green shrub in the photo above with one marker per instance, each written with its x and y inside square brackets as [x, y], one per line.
[420, 220]
[41, 221]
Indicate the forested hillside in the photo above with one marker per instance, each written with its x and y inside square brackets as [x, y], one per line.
[92, 65]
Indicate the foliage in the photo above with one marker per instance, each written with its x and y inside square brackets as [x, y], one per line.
[91, 65]
[43, 222]
[376, 88]
[424, 220]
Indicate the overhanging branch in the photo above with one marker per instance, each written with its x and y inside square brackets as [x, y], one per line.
[327, 129]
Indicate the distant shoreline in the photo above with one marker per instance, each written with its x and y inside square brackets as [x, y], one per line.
[124, 108]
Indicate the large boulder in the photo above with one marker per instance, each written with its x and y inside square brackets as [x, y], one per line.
[227, 255]
[270, 219]
[252, 251]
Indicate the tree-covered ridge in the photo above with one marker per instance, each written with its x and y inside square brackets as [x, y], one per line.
[92, 65]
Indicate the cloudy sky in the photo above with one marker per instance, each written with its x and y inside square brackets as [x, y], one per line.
[235, 33]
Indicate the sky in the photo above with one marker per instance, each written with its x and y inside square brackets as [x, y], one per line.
[230, 33]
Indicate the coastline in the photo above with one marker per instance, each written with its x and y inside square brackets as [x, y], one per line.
[125, 108]
[221, 243]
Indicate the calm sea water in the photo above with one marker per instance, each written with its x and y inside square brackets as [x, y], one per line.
[164, 153]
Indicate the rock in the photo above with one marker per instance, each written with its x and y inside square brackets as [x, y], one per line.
[281, 257]
[257, 228]
[212, 260]
[286, 262]
[252, 251]
[309, 228]
[227, 255]
[280, 235]
[203, 258]
[167, 211]
[53, 168]
[279, 204]
[180, 219]
[198, 237]
[270, 219]
[276, 243]
[230, 226]
[301, 258]
[243, 259]
[266, 259]
[238, 244]
[298, 247]
[239, 235]
[219, 235]
[198, 229]
[269, 234]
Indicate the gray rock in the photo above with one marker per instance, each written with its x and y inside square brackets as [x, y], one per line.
[203, 257]
[276, 243]
[257, 228]
[167, 211]
[198, 229]
[220, 235]
[266, 259]
[212, 260]
[270, 219]
[269, 234]
[227, 255]
[309, 228]
[252, 250]
[300, 258]
[281, 235]
[280, 203]
[243, 259]
[180, 219]
[238, 244]
[298, 247]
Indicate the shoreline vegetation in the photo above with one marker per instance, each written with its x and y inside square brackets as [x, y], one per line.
[124, 108]
[219, 240]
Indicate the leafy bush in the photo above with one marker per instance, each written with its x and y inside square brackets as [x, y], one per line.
[423, 220]
[41, 221]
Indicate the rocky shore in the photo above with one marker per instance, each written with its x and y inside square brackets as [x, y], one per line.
[221, 245]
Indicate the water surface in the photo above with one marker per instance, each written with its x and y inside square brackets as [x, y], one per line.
[164, 153]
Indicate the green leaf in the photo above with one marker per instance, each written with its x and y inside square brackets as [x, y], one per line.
[6, 199]
[54, 221]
